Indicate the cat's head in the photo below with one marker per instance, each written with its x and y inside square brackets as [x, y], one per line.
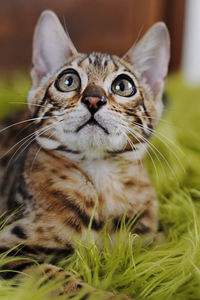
[96, 103]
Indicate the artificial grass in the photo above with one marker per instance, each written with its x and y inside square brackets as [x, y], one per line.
[167, 271]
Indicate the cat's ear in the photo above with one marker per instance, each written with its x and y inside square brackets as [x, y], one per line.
[150, 56]
[51, 46]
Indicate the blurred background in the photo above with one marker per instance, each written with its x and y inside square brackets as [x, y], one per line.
[100, 25]
[103, 25]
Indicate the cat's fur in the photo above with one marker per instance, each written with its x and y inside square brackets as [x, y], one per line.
[71, 172]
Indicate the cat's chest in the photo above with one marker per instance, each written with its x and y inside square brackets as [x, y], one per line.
[68, 195]
[100, 172]
[109, 179]
[59, 186]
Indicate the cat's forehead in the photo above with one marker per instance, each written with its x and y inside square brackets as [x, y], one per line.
[99, 65]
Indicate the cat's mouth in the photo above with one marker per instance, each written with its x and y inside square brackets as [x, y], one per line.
[92, 122]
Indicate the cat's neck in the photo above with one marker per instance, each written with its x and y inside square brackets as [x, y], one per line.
[134, 156]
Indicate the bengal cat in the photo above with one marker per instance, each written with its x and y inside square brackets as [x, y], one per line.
[90, 119]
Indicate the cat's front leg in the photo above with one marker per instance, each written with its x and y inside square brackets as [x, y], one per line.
[74, 285]
[19, 268]
[70, 286]
[147, 223]
[144, 222]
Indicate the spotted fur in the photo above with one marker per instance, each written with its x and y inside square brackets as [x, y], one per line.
[73, 164]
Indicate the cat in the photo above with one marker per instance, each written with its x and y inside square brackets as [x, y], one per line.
[81, 157]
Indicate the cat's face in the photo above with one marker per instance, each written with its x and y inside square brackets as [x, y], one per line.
[96, 103]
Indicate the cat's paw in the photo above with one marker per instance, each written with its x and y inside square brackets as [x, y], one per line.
[74, 285]
[160, 238]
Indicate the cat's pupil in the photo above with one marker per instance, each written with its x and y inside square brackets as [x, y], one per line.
[120, 86]
[123, 85]
[69, 81]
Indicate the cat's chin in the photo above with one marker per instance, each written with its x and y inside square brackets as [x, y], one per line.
[92, 138]
[95, 138]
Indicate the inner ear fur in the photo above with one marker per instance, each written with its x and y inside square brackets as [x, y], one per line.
[52, 46]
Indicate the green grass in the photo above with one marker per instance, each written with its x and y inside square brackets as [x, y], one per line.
[168, 271]
[13, 90]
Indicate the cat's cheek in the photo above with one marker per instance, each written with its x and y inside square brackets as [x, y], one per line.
[117, 143]
[47, 143]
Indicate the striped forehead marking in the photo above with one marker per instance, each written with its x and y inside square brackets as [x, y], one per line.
[126, 68]
[100, 64]
[100, 60]
[96, 61]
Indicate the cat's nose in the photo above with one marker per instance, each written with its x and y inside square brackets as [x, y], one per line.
[93, 103]
[93, 98]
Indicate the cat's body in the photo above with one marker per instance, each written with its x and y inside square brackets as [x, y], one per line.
[85, 164]
[59, 196]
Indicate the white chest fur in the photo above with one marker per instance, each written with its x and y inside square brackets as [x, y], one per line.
[109, 177]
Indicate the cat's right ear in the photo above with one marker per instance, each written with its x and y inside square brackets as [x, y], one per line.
[51, 46]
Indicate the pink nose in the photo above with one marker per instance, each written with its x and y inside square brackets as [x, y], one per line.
[93, 98]
[92, 101]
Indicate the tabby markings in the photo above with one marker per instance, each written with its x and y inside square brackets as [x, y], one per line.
[76, 209]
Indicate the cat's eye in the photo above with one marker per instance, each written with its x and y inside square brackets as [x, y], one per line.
[68, 81]
[123, 86]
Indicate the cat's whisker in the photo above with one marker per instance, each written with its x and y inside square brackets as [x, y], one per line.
[24, 128]
[152, 146]
[64, 23]
[159, 120]
[160, 153]
[10, 149]
[133, 134]
[36, 155]
[23, 139]
[152, 149]
[158, 134]
[148, 153]
[168, 147]
[30, 140]
[25, 121]
[25, 103]
[137, 39]
[133, 148]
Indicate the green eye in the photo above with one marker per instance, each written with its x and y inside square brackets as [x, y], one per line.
[68, 81]
[123, 86]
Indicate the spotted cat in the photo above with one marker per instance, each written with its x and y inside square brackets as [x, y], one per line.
[90, 118]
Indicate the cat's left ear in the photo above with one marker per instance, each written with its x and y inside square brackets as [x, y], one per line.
[150, 56]
[51, 46]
